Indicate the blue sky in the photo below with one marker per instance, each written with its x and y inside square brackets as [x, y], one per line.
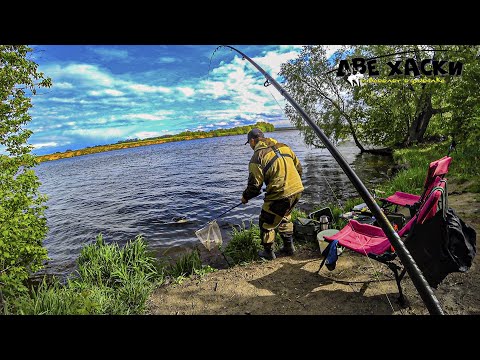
[102, 94]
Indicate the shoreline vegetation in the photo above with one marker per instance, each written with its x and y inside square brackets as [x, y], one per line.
[183, 136]
[114, 280]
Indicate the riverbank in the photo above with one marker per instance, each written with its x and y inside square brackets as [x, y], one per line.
[183, 136]
[292, 286]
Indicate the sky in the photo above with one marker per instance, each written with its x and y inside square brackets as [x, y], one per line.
[102, 94]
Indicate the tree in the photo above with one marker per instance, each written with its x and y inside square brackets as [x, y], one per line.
[325, 98]
[462, 120]
[385, 114]
[22, 221]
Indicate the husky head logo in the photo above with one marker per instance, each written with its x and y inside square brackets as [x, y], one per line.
[355, 79]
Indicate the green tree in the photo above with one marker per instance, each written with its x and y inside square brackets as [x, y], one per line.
[462, 120]
[22, 222]
[388, 114]
[413, 111]
[327, 99]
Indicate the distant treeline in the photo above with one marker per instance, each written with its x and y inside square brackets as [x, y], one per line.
[186, 135]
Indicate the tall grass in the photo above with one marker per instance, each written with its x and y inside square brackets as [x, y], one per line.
[188, 264]
[417, 158]
[101, 264]
[298, 214]
[109, 280]
[244, 245]
[53, 299]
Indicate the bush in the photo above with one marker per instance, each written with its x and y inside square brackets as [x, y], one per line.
[244, 245]
[22, 222]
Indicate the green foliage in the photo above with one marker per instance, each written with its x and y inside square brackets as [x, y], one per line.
[53, 299]
[109, 265]
[119, 279]
[188, 264]
[298, 214]
[417, 159]
[389, 114]
[339, 209]
[110, 280]
[244, 245]
[22, 222]
[320, 94]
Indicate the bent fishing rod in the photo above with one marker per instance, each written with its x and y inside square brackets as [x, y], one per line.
[413, 270]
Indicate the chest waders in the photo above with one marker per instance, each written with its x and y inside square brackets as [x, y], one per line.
[277, 213]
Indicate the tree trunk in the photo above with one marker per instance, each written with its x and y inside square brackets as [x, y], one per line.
[354, 135]
[383, 151]
[422, 119]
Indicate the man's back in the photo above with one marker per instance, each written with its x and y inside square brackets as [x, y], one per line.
[278, 166]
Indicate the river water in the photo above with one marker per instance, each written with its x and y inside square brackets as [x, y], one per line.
[128, 192]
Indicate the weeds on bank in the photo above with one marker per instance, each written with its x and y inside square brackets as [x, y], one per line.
[188, 264]
[109, 280]
[244, 245]
[417, 158]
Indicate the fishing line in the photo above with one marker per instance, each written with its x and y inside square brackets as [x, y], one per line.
[211, 58]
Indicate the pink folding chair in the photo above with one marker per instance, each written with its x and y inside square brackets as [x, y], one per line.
[436, 168]
[371, 241]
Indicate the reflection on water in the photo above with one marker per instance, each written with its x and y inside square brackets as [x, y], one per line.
[135, 191]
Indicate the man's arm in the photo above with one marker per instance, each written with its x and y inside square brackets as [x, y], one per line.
[297, 164]
[255, 182]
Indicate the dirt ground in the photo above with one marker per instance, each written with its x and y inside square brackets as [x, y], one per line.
[293, 286]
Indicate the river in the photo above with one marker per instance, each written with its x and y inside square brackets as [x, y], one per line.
[124, 193]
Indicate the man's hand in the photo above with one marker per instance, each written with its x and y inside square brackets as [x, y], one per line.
[244, 201]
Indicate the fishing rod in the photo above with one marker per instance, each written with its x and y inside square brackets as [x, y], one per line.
[416, 275]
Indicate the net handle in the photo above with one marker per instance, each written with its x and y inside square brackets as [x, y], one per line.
[233, 207]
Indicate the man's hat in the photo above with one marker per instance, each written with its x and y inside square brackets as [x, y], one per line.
[254, 134]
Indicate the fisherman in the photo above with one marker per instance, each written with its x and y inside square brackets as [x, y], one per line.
[276, 165]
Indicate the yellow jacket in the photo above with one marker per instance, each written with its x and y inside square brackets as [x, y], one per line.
[281, 173]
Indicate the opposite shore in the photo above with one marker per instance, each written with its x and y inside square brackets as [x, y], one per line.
[183, 136]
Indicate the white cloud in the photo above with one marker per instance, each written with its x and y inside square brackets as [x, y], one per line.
[272, 61]
[166, 60]
[111, 92]
[114, 92]
[187, 91]
[291, 47]
[62, 85]
[66, 100]
[142, 88]
[44, 145]
[147, 134]
[90, 73]
[105, 133]
[144, 116]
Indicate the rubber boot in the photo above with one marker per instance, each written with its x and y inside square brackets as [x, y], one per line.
[267, 253]
[288, 247]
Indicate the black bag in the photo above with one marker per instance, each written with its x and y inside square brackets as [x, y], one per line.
[305, 230]
[441, 245]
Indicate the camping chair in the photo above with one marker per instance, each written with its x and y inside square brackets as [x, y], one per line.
[436, 168]
[371, 241]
